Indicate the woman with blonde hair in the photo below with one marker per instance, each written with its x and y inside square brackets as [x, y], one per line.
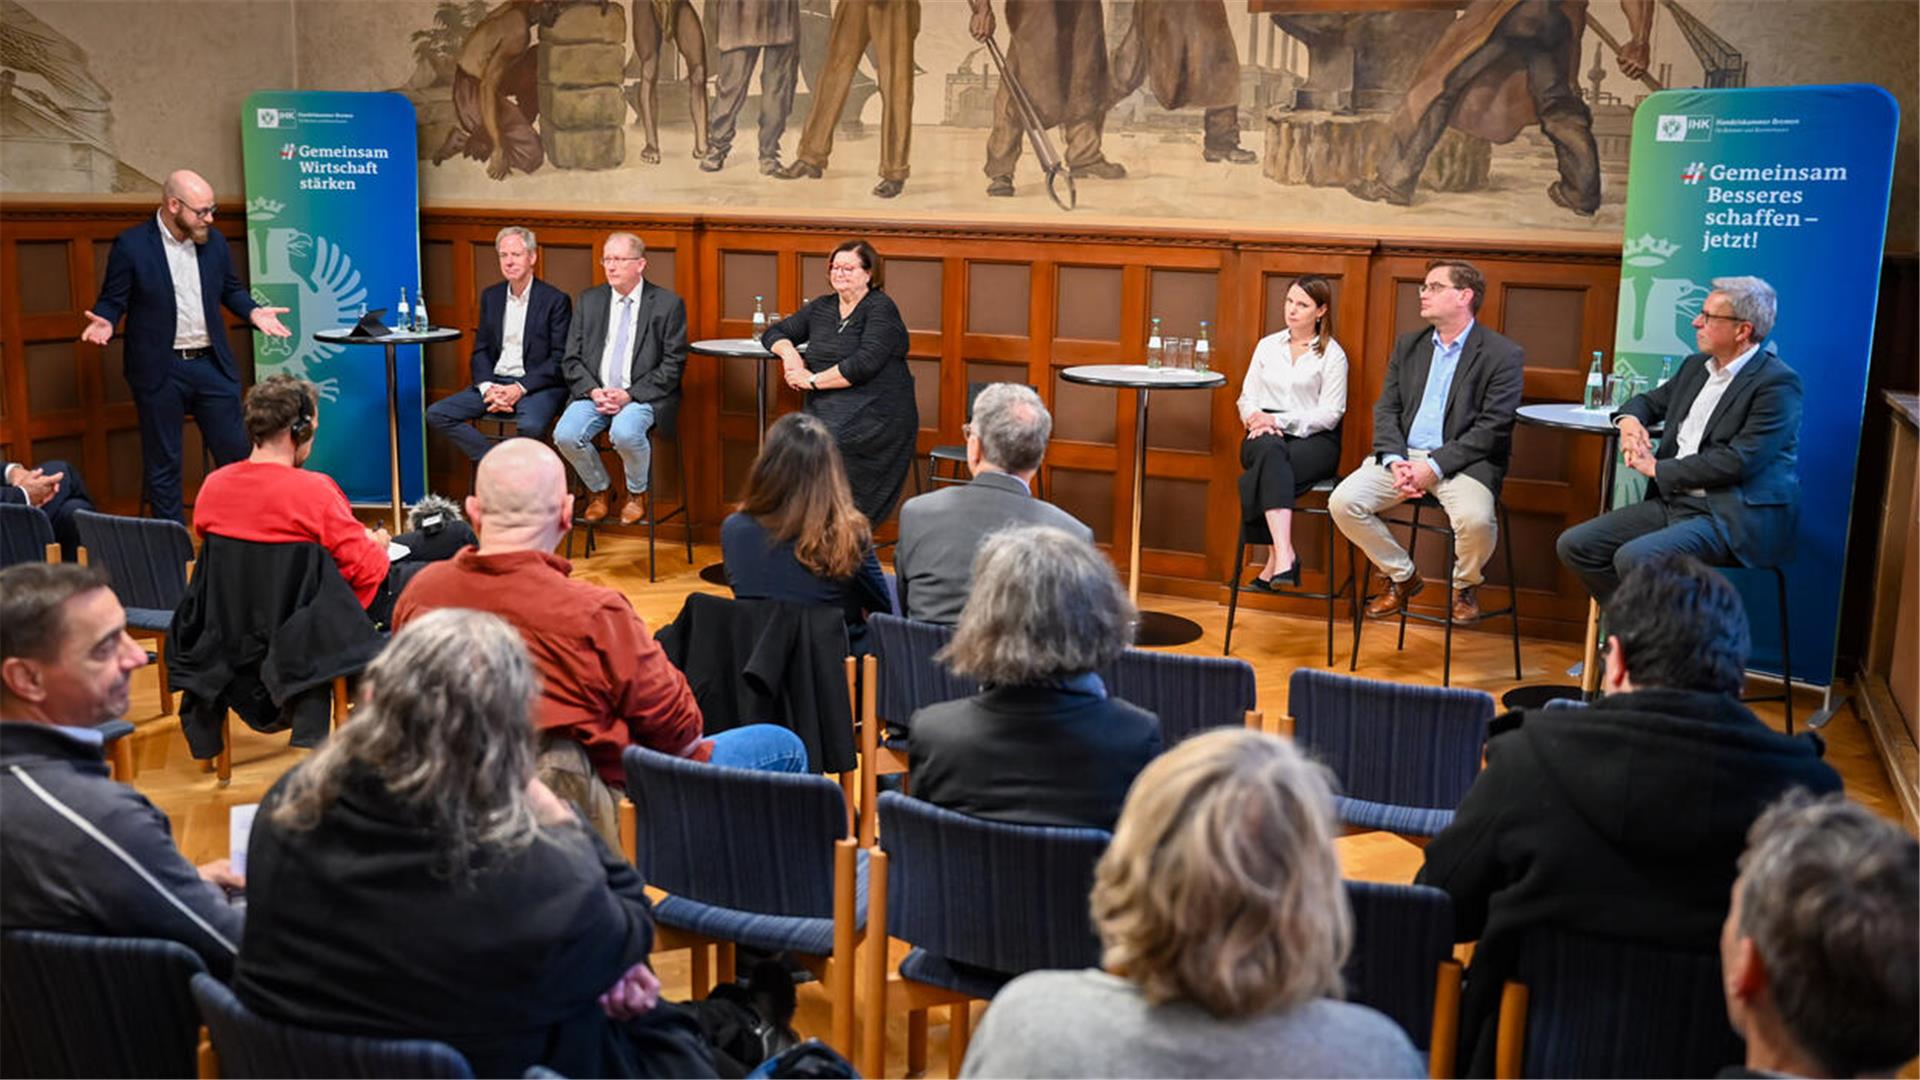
[1224, 926]
[798, 536]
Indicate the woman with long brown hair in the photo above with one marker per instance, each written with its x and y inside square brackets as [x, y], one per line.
[797, 535]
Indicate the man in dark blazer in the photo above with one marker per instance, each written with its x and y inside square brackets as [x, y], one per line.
[1724, 483]
[624, 355]
[1443, 426]
[169, 277]
[941, 530]
[516, 352]
[56, 489]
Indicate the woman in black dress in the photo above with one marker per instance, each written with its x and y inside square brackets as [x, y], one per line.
[855, 374]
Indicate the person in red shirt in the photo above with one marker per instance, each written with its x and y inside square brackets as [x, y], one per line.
[605, 683]
[269, 498]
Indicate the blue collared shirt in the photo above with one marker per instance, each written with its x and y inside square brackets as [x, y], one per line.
[1428, 430]
[84, 735]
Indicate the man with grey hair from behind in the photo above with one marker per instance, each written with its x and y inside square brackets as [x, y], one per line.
[1818, 956]
[941, 530]
[1724, 481]
[1042, 743]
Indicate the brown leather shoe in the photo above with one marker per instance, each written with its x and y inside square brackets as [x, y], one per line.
[1396, 596]
[1466, 605]
[633, 509]
[596, 508]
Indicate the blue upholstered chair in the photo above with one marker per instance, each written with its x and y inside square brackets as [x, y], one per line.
[147, 561]
[751, 858]
[898, 677]
[1402, 964]
[76, 1005]
[979, 902]
[1188, 693]
[1583, 1006]
[1404, 755]
[248, 1045]
[26, 535]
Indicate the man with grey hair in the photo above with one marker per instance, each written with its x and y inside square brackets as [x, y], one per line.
[625, 351]
[1724, 486]
[80, 853]
[941, 530]
[1818, 954]
[516, 352]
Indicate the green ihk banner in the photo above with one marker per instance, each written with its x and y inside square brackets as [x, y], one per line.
[333, 229]
[1789, 184]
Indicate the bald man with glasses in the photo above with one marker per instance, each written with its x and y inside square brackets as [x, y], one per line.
[169, 276]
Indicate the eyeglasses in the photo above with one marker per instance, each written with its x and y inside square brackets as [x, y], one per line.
[204, 213]
[966, 430]
[1431, 287]
[1729, 318]
[609, 260]
[845, 268]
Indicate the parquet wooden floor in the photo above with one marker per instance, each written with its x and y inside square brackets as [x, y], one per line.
[1273, 644]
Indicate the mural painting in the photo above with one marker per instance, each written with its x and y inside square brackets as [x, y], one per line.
[1425, 117]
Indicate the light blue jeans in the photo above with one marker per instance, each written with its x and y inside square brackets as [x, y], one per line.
[764, 747]
[573, 437]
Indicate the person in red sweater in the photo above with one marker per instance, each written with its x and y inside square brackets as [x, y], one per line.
[269, 498]
[605, 684]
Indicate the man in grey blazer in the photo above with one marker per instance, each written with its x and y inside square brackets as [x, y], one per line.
[625, 351]
[941, 530]
[1443, 426]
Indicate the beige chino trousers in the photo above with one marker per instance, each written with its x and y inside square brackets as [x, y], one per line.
[1368, 491]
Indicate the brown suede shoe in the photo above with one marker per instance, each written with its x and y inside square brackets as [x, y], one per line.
[596, 508]
[1396, 596]
[633, 509]
[1466, 605]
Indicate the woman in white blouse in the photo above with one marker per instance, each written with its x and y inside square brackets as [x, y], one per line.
[1291, 404]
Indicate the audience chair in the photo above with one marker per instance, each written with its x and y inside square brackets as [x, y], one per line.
[1188, 693]
[119, 746]
[899, 677]
[751, 858]
[665, 426]
[26, 535]
[1415, 527]
[78, 1005]
[955, 454]
[1405, 755]
[979, 902]
[1587, 1006]
[246, 1044]
[1402, 964]
[147, 560]
[1347, 588]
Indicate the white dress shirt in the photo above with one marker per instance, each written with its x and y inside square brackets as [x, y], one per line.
[189, 309]
[1694, 427]
[512, 364]
[1306, 396]
[613, 369]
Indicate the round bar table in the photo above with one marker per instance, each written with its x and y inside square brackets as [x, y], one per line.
[1572, 416]
[431, 335]
[1155, 627]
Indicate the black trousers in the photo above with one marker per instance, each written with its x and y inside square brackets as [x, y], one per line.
[1278, 470]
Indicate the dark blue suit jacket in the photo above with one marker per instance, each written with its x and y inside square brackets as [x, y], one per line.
[549, 312]
[139, 286]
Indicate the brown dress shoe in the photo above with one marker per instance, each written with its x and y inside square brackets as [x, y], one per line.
[1466, 605]
[633, 509]
[1396, 596]
[596, 508]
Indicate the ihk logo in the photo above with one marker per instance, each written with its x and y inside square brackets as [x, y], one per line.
[266, 118]
[287, 151]
[1693, 173]
[1678, 127]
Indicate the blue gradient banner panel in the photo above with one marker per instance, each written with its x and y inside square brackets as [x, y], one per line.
[333, 229]
[1789, 184]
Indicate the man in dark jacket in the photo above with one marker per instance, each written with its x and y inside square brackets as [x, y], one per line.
[1624, 820]
[79, 852]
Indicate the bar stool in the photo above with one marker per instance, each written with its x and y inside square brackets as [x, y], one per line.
[665, 426]
[1415, 526]
[1346, 587]
[1785, 695]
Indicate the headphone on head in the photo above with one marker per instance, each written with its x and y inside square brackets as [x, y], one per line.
[302, 427]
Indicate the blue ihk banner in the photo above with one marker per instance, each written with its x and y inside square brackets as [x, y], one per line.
[333, 229]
